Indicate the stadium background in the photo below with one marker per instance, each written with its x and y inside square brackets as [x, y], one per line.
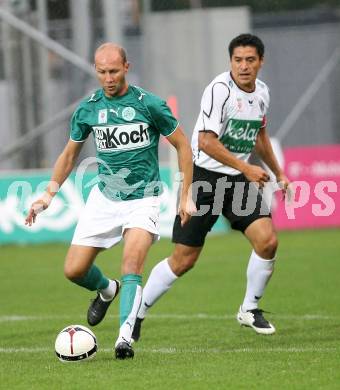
[175, 47]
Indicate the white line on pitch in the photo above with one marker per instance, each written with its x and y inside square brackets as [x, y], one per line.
[198, 316]
[231, 350]
[187, 350]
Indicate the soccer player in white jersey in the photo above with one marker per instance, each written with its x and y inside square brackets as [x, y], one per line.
[231, 123]
[126, 123]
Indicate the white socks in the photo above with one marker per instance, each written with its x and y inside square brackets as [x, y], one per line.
[259, 272]
[160, 280]
[109, 292]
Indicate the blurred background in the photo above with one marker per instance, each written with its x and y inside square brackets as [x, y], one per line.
[175, 48]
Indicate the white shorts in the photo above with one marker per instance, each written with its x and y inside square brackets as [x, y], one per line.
[103, 221]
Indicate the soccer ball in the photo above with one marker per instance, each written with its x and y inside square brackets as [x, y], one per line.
[75, 343]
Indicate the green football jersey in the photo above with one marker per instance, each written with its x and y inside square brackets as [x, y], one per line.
[126, 132]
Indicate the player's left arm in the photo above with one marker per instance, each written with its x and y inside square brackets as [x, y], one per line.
[186, 205]
[265, 151]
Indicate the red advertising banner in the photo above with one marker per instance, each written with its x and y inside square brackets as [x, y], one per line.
[315, 175]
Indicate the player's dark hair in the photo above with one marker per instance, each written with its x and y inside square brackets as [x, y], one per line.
[247, 40]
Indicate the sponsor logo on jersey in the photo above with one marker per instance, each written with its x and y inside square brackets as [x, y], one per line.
[92, 98]
[128, 114]
[115, 111]
[121, 137]
[239, 104]
[140, 97]
[102, 116]
[240, 135]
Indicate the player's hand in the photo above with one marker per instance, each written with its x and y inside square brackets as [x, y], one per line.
[256, 174]
[186, 209]
[284, 184]
[37, 207]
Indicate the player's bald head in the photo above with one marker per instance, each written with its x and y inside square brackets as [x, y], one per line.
[108, 50]
[111, 68]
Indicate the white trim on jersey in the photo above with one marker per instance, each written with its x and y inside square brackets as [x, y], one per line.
[216, 97]
[166, 136]
[77, 141]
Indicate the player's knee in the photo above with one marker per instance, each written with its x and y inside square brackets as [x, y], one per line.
[183, 263]
[132, 267]
[72, 273]
[267, 247]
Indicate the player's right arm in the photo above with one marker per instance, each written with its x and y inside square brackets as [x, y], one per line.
[213, 105]
[62, 168]
[209, 143]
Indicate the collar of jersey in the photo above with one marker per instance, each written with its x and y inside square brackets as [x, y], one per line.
[240, 89]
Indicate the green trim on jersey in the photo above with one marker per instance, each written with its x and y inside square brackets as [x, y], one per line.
[240, 135]
[126, 131]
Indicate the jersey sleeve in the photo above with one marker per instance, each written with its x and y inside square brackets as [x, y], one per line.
[213, 105]
[265, 100]
[162, 117]
[80, 130]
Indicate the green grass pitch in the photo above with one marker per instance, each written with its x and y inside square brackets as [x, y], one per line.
[191, 339]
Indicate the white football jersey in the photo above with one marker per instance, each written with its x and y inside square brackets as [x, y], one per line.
[234, 115]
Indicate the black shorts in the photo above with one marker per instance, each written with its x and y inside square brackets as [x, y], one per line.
[237, 199]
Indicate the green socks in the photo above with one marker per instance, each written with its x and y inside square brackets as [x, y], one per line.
[93, 280]
[130, 300]
[130, 296]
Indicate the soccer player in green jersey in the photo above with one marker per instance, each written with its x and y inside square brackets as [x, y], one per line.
[230, 125]
[126, 123]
